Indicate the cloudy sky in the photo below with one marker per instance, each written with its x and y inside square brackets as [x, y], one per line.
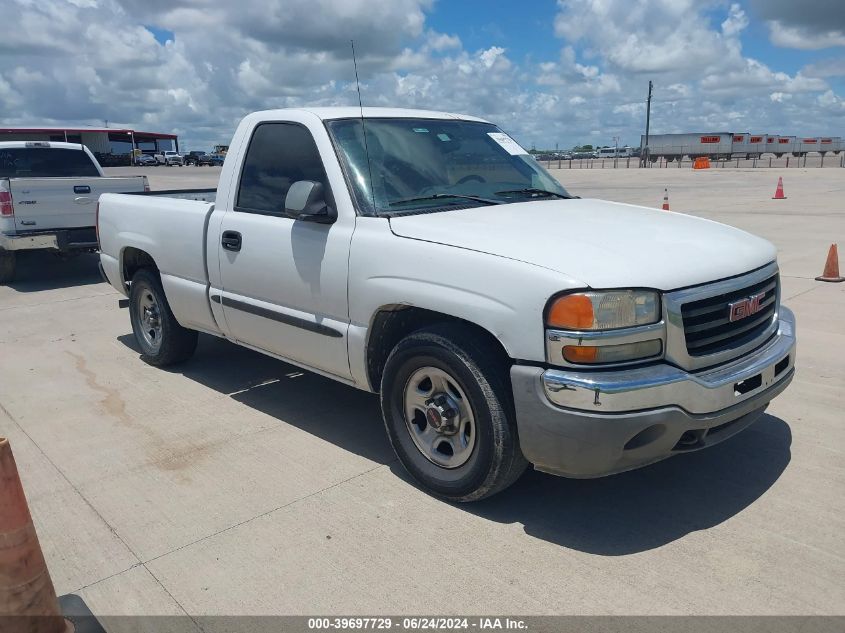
[567, 72]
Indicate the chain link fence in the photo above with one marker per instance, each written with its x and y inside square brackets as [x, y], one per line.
[634, 162]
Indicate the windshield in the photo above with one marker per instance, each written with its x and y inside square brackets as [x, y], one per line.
[428, 164]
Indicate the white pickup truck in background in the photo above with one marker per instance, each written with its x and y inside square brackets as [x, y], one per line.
[48, 195]
[428, 257]
[169, 158]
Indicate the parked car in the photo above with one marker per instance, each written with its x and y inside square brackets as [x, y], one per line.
[145, 160]
[48, 196]
[169, 158]
[646, 336]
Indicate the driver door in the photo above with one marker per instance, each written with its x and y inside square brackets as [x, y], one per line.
[284, 281]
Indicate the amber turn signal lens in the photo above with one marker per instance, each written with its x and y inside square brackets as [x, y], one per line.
[580, 354]
[572, 312]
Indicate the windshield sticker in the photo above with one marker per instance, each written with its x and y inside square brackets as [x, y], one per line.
[510, 146]
[443, 137]
[421, 130]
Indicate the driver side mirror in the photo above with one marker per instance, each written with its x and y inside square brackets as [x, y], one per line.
[306, 201]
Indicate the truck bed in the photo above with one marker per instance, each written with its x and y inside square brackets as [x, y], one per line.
[173, 231]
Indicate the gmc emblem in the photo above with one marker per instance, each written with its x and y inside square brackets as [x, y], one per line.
[745, 307]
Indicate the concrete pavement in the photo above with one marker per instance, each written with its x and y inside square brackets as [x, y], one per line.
[236, 484]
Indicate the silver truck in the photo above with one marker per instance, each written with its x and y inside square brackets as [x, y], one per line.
[48, 195]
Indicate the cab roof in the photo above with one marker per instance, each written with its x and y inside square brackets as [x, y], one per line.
[351, 112]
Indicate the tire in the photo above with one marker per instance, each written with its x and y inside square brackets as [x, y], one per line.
[483, 457]
[161, 339]
[8, 264]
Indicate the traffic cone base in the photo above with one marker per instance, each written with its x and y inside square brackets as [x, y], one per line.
[26, 591]
[779, 191]
[831, 266]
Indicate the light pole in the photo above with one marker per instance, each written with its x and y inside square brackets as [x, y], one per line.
[644, 150]
[615, 151]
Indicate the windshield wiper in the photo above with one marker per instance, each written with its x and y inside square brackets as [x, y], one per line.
[536, 192]
[438, 196]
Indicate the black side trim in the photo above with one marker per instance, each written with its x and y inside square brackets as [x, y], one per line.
[277, 316]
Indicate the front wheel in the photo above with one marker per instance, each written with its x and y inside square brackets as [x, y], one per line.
[161, 339]
[447, 408]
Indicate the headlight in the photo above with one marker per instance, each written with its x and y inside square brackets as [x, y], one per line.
[604, 310]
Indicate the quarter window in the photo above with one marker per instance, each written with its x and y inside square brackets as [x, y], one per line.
[279, 154]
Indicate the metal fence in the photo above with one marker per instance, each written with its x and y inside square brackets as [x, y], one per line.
[767, 160]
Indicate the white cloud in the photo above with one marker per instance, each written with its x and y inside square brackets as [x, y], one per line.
[89, 60]
[736, 21]
[441, 41]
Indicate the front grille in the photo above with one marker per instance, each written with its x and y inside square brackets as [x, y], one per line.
[707, 325]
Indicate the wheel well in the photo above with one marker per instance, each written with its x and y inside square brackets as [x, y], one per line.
[393, 323]
[135, 259]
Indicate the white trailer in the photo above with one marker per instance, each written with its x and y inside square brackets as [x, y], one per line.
[785, 145]
[805, 145]
[739, 145]
[756, 145]
[829, 144]
[771, 144]
[713, 145]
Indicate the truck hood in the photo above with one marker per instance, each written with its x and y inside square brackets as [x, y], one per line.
[597, 243]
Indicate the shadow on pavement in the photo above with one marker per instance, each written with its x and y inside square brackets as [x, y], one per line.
[345, 416]
[45, 270]
[612, 516]
[650, 507]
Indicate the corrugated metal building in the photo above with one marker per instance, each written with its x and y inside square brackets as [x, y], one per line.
[111, 146]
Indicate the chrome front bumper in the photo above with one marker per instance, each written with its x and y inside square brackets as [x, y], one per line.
[661, 385]
[589, 424]
[27, 242]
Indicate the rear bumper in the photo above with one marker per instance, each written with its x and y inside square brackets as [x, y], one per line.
[27, 242]
[78, 239]
[590, 424]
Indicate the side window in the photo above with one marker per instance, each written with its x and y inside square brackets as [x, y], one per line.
[278, 155]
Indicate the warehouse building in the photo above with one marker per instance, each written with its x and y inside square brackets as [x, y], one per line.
[111, 146]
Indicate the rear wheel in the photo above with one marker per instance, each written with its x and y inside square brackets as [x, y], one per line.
[161, 339]
[8, 264]
[446, 404]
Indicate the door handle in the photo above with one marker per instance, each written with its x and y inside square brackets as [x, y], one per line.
[81, 189]
[231, 240]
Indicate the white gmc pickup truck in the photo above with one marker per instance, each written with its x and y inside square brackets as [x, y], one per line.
[48, 193]
[427, 257]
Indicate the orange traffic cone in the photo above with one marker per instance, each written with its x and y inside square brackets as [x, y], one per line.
[27, 597]
[666, 199]
[831, 266]
[779, 191]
